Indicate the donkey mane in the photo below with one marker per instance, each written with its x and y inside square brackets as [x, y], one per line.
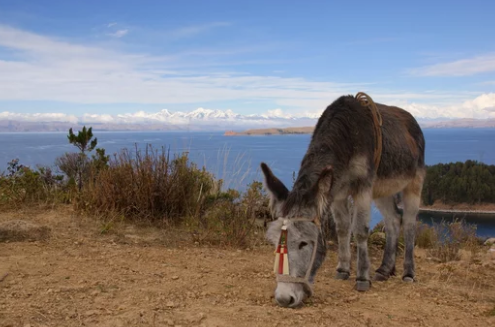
[332, 139]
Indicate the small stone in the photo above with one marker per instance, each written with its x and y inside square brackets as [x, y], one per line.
[175, 277]
[490, 241]
[351, 298]
[90, 313]
[170, 304]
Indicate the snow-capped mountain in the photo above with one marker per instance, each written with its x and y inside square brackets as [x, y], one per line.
[200, 119]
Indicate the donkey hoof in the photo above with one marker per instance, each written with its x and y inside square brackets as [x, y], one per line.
[363, 285]
[342, 275]
[408, 279]
[380, 277]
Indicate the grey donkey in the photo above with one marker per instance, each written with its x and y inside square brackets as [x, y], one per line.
[362, 151]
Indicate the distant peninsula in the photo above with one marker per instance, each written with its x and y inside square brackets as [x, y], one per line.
[454, 123]
[273, 131]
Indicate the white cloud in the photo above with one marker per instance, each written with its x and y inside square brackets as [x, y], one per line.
[119, 33]
[39, 117]
[55, 70]
[463, 67]
[50, 69]
[277, 113]
[480, 107]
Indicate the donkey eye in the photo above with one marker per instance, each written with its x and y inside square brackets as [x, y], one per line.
[302, 244]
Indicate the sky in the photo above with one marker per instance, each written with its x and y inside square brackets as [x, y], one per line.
[433, 58]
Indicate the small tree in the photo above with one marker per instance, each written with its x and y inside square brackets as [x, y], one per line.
[83, 141]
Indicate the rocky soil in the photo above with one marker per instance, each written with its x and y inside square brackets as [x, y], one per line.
[77, 276]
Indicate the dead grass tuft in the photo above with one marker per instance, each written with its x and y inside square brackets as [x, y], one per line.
[22, 231]
[444, 242]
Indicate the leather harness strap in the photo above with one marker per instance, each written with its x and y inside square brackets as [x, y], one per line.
[366, 101]
[302, 280]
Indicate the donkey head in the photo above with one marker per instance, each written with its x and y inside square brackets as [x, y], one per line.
[299, 211]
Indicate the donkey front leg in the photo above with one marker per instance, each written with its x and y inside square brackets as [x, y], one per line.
[342, 219]
[361, 221]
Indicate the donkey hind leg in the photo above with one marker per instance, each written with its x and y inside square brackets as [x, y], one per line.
[411, 201]
[392, 220]
[361, 223]
[342, 219]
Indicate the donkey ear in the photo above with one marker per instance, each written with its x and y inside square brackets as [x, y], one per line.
[325, 180]
[276, 188]
[323, 187]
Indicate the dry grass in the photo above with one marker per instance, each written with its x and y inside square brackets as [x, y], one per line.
[20, 230]
[444, 242]
[151, 186]
[154, 188]
[450, 238]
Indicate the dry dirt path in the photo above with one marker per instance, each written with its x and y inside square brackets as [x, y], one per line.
[138, 278]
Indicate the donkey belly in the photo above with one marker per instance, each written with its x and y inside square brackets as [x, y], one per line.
[389, 186]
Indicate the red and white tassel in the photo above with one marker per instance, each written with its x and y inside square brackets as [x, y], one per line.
[281, 265]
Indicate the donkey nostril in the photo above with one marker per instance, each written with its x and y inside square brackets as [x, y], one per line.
[286, 301]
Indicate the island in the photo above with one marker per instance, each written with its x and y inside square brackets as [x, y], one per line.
[273, 131]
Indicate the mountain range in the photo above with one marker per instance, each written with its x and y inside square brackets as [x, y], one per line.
[198, 120]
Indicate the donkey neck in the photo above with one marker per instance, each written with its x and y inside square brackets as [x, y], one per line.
[300, 197]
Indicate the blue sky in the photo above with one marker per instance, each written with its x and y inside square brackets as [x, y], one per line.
[434, 58]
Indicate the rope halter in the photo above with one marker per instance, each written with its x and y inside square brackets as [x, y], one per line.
[281, 264]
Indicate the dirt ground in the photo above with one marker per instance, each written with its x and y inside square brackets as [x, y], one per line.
[148, 277]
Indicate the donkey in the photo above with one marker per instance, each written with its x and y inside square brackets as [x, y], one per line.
[360, 151]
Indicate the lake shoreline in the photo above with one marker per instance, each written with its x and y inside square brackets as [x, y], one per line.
[452, 210]
[464, 211]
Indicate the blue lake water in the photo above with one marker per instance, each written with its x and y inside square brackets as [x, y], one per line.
[236, 159]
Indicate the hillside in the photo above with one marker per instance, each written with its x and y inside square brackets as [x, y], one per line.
[461, 123]
[273, 131]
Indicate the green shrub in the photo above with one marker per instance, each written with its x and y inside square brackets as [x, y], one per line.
[230, 217]
[22, 185]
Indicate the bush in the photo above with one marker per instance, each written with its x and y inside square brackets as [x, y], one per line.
[23, 185]
[426, 236]
[451, 238]
[149, 186]
[443, 241]
[230, 217]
